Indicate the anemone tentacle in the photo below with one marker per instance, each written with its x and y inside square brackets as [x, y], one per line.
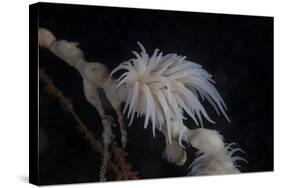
[162, 88]
[221, 162]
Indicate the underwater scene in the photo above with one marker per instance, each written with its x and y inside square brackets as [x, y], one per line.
[127, 94]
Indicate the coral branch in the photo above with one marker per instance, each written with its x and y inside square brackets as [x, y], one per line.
[55, 92]
[125, 169]
[119, 166]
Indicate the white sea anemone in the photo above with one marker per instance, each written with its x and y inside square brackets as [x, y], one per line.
[164, 87]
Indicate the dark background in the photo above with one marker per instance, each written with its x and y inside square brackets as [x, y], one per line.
[237, 50]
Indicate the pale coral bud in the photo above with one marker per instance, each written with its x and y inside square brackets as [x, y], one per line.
[69, 52]
[96, 73]
[45, 38]
[175, 154]
[205, 140]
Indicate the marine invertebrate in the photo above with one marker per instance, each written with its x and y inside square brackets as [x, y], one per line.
[166, 90]
[216, 162]
[164, 87]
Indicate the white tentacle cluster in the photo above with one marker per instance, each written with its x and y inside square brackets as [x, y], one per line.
[163, 87]
[217, 163]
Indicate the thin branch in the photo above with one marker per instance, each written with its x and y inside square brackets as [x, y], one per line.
[120, 167]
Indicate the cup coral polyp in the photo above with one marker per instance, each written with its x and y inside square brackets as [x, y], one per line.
[162, 88]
